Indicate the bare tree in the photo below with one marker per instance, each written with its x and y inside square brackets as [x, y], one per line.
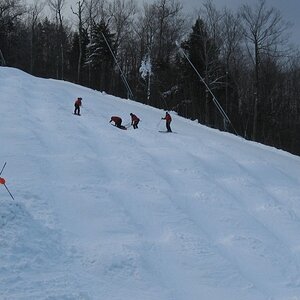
[212, 19]
[231, 34]
[79, 13]
[169, 24]
[263, 29]
[10, 11]
[159, 27]
[121, 15]
[232, 55]
[96, 10]
[121, 19]
[210, 35]
[34, 11]
[146, 30]
[57, 7]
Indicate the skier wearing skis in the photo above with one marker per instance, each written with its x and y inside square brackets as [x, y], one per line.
[118, 122]
[134, 121]
[77, 105]
[168, 121]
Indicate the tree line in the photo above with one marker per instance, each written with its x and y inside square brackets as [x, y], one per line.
[157, 54]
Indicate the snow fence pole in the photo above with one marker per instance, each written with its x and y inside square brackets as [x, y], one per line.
[129, 92]
[216, 102]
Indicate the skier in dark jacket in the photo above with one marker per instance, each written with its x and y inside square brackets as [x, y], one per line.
[77, 105]
[168, 121]
[134, 121]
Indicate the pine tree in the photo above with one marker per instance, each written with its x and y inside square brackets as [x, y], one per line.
[203, 53]
[100, 57]
[74, 55]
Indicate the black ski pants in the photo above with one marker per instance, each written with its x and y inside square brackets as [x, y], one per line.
[77, 110]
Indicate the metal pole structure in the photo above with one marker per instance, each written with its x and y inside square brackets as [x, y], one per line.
[217, 104]
[129, 92]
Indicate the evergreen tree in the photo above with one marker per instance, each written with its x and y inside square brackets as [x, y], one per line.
[45, 61]
[100, 58]
[203, 53]
[74, 55]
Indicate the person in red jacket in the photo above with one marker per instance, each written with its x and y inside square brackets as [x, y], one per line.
[77, 105]
[168, 121]
[117, 121]
[134, 121]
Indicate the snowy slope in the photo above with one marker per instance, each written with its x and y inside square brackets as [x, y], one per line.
[102, 213]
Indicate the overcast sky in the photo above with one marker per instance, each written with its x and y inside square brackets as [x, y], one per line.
[289, 10]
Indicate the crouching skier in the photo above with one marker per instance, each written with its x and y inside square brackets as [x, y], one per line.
[118, 122]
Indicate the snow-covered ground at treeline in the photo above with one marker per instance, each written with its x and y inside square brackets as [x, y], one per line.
[102, 213]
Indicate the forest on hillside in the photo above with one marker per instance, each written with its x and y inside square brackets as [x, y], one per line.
[230, 70]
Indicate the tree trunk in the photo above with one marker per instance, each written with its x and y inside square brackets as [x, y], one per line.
[256, 95]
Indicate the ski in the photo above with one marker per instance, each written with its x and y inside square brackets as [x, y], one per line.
[165, 131]
[121, 127]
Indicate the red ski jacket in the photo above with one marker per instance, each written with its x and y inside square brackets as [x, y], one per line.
[78, 102]
[167, 118]
[134, 118]
[116, 119]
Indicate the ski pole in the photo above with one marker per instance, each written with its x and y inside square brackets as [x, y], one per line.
[2, 181]
[9, 191]
[3, 168]
[158, 124]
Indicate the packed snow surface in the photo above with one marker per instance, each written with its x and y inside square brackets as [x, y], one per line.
[103, 213]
